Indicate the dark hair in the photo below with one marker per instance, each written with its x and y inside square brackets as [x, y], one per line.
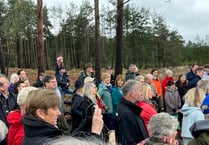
[206, 66]
[194, 64]
[153, 70]
[47, 79]
[179, 83]
[16, 85]
[170, 83]
[19, 71]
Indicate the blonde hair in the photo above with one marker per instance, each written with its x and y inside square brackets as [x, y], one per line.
[194, 97]
[87, 90]
[23, 94]
[104, 76]
[145, 91]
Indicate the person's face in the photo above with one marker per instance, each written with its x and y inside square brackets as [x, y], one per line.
[137, 94]
[170, 74]
[51, 115]
[107, 80]
[132, 69]
[16, 79]
[155, 73]
[22, 74]
[200, 73]
[183, 79]
[21, 86]
[194, 68]
[5, 85]
[120, 82]
[27, 83]
[206, 70]
[109, 71]
[52, 84]
[94, 90]
[90, 69]
[63, 71]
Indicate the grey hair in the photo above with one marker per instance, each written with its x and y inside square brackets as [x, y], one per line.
[66, 140]
[3, 130]
[168, 71]
[139, 78]
[162, 124]
[129, 86]
[88, 92]
[204, 85]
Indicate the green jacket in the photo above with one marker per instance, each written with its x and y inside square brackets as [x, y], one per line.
[202, 139]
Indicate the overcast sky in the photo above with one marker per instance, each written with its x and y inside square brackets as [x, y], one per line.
[188, 17]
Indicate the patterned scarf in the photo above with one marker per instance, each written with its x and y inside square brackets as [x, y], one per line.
[164, 140]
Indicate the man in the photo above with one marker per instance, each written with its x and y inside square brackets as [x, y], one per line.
[108, 69]
[191, 75]
[22, 74]
[198, 76]
[132, 72]
[39, 81]
[63, 81]
[129, 127]
[88, 72]
[8, 101]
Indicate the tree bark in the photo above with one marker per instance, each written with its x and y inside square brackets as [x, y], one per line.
[97, 42]
[40, 37]
[119, 38]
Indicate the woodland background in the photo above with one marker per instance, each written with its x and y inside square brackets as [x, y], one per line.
[147, 39]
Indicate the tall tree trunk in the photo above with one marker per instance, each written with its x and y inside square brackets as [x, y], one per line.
[119, 37]
[2, 59]
[19, 53]
[97, 42]
[40, 37]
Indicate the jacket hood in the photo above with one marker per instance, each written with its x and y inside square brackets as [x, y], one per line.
[186, 109]
[37, 127]
[199, 127]
[14, 118]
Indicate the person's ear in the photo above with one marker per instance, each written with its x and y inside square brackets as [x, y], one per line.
[40, 113]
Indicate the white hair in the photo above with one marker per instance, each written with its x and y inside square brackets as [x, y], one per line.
[3, 130]
[87, 90]
[168, 71]
[203, 84]
[162, 124]
[23, 94]
[12, 77]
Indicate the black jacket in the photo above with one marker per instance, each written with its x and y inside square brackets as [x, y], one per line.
[129, 127]
[76, 112]
[38, 84]
[7, 105]
[37, 131]
[193, 83]
[190, 76]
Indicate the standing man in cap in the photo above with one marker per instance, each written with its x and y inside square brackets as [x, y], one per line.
[88, 72]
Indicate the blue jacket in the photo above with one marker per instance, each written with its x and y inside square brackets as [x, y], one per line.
[190, 116]
[190, 76]
[116, 96]
[193, 83]
[106, 97]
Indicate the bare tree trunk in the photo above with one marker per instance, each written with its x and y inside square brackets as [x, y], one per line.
[119, 38]
[97, 42]
[40, 37]
[2, 59]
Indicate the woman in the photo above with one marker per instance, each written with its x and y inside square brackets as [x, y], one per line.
[87, 107]
[162, 130]
[105, 91]
[116, 91]
[40, 120]
[182, 84]
[13, 79]
[191, 112]
[147, 106]
[168, 77]
[16, 130]
[3, 133]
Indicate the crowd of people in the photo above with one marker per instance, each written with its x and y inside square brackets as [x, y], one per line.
[137, 109]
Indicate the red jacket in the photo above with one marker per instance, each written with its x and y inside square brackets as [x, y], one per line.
[164, 83]
[16, 129]
[147, 112]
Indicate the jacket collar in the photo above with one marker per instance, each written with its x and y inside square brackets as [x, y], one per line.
[133, 107]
